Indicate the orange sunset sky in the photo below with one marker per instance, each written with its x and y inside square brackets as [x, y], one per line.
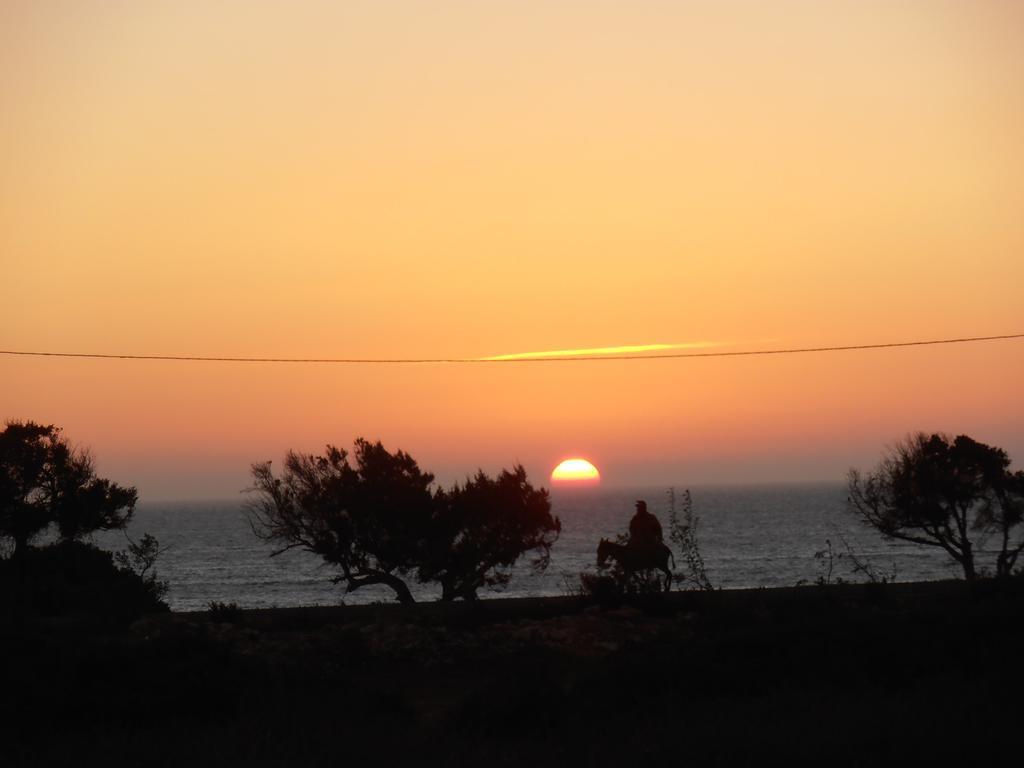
[470, 179]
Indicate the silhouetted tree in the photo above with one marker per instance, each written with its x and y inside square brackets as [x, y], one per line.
[1002, 513]
[46, 482]
[935, 491]
[481, 528]
[47, 486]
[367, 515]
[373, 515]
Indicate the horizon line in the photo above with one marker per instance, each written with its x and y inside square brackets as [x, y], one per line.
[662, 487]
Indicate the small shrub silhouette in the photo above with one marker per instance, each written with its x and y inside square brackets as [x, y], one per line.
[75, 578]
[683, 526]
[603, 588]
[227, 613]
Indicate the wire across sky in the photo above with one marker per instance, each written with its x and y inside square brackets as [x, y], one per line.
[577, 356]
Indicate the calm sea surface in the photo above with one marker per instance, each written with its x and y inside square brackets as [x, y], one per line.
[750, 536]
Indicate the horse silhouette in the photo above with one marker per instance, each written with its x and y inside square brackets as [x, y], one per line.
[633, 558]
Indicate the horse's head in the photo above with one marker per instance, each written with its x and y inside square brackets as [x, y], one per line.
[603, 549]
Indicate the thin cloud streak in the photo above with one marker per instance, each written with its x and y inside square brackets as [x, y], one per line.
[631, 349]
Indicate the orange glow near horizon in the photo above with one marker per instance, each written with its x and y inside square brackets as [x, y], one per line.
[398, 179]
[575, 472]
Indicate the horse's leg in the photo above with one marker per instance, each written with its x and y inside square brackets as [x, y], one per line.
[668, 579]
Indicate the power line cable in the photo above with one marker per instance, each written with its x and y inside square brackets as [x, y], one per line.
[479, 360]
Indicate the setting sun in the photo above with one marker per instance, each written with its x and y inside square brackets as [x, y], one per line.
[576, 471]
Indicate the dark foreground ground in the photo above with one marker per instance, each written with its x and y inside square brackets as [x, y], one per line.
[838, 675]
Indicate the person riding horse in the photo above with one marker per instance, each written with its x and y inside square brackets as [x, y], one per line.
[645, 550]
[644, 529]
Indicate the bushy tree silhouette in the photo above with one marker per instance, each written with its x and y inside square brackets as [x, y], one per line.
[366, 514]
[482, 527]
[47, 486]
[45, 482]
[376, 516]
[937, 491]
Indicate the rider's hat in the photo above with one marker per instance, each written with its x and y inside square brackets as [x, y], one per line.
[641, 505]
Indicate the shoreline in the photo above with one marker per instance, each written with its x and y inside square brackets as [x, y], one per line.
[550, 605]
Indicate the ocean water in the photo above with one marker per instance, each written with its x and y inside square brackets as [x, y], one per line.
[750, 536]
